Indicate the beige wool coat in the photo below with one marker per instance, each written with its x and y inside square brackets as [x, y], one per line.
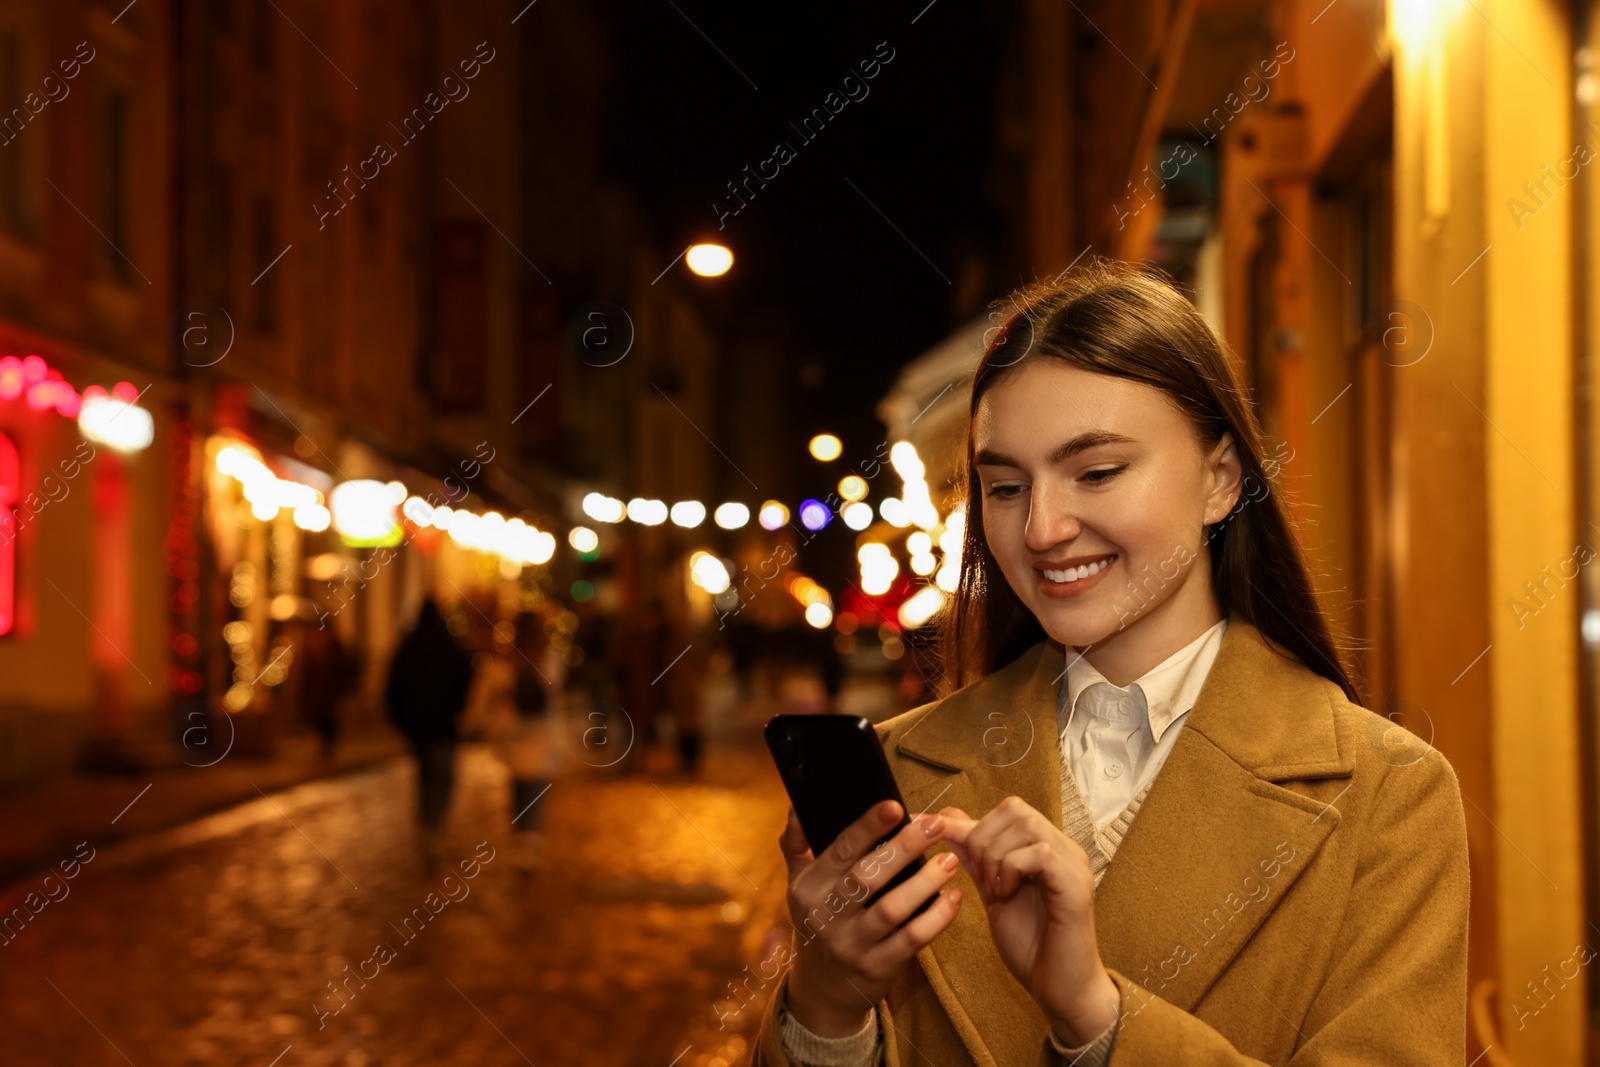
[1294, 889]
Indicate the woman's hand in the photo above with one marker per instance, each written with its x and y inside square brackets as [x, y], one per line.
[1038, 888]
[847, 956]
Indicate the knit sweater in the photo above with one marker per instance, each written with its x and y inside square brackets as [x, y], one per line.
[865, 1049]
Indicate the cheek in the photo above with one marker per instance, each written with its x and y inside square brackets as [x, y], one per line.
[1005, 530]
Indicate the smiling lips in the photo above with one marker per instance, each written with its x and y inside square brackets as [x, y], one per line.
[1070, 575]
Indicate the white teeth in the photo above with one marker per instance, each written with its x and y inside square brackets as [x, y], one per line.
[1073, 574]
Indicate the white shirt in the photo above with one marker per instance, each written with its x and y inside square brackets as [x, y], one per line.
[1116, 739]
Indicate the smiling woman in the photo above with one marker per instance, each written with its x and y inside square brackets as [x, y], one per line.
[1191, 723]
[1107, 417]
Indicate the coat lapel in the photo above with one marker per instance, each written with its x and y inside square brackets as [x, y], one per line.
[1216, 845]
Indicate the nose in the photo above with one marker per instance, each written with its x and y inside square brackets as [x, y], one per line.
[1050, 519]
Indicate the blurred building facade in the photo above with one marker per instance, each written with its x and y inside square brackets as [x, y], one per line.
[322, 244]
[1386, 211]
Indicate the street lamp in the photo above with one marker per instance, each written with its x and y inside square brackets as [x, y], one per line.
[826, 447]
[709, 260]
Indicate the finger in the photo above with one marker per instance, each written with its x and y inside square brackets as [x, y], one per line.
[892, 909]
[1019, 834]
[1047, 867]
[958, 824]
[859, 838]
[910, 939]
[792, 843]
[879, 866]
[981, 837]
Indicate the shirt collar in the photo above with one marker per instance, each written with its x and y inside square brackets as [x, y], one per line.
[1170, 688]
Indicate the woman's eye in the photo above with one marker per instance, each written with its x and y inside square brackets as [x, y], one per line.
[1004, 492]
[1101, 476]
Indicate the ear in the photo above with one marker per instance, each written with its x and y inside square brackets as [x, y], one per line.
[1226, 473]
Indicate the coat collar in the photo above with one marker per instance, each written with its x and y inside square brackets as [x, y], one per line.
[1178, 901]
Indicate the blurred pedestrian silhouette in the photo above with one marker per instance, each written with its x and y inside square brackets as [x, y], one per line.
[518, 717]
[647, 651]
[685, 685]
[427, 690]
[330, 675]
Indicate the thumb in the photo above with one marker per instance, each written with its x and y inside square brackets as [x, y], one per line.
[792, 842]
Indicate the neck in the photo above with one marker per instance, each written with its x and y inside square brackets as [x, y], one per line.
[1128, 654]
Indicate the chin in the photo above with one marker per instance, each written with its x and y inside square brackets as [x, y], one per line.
[1078, 625]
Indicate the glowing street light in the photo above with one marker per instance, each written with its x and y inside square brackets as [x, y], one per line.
[773, 515]
[708, 260]
[732, 516]
[857, 516]
[602, 508]
[826, 447]
[647, 512]
[688, 513]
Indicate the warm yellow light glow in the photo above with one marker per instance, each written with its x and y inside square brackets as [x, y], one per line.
[773, 515]
[819, 615]
[921, 606]
[688, 514]
[853, 487]
[709, 573]
[418, 510]
[807, 591]
[313, 517]
[826, 447]
[116, 423]
[907, 464]
[857, 516]
[878, 573]
[732, 516]
[583, 539]
[364, 509]
[647, 512]
[709, 261]
[1409, 21]
[602, 508]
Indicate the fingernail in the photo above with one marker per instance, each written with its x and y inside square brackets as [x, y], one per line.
[948, 861]
[932, 825]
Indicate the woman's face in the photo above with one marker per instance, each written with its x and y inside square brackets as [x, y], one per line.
[1096, 493]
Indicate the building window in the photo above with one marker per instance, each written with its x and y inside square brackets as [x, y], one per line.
[114, 182]
[13, 125]
[216, 236]
[264, 290]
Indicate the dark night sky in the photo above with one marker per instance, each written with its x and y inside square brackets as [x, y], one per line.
[853, 294]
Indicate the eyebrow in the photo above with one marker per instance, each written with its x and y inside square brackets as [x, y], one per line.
[1086, 440]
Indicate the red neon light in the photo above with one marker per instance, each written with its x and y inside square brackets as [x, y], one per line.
[41, 387]
[10, 486]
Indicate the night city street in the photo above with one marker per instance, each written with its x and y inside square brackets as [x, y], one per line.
[215, 942]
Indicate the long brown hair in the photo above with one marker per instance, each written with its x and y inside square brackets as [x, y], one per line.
[1130, 321]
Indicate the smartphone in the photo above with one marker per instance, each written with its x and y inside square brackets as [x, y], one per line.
[835, 771]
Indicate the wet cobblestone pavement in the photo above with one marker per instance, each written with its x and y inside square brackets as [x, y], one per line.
[215, 943]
